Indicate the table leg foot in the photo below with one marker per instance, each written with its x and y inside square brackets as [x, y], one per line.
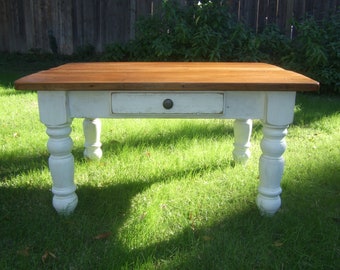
[64, 200]
[242, 133]
[92, 130]
[271, 168]
[61, 164]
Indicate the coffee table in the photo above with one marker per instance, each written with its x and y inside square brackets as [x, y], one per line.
[240, 91]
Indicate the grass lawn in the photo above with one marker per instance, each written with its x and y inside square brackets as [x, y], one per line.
[166, 194]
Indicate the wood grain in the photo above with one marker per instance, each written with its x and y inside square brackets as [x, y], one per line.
[165, 76]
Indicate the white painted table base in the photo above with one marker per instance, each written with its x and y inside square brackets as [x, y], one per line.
[58, 108]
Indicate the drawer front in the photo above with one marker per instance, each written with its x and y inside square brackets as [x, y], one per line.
[167, 103]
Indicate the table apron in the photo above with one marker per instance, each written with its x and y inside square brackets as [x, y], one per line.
[273, 107]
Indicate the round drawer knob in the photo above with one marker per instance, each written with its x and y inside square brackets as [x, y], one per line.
[168, 104]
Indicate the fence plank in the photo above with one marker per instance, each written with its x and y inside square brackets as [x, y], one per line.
[27, 24]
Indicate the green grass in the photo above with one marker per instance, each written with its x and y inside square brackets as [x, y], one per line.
[166, 194]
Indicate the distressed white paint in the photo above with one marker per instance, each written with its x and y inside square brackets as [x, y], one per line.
[242, 133]
[92, 130]
[152, 103]
[58, 108]
[61, 164]
[280, 108]
[53, 107]
[244, 105]
[271, 168]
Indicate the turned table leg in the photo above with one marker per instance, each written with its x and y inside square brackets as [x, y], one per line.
[54, 113]
[242, 133]
[271, 168]
[92, 129]
[61, 164]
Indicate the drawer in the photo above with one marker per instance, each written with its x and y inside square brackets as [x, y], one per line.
[167, 103]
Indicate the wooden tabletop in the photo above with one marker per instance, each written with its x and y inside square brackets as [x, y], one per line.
[164, 76]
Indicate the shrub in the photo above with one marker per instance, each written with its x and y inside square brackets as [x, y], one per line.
[85, 53]
[206, 31]
[315, 51]
[202, 31]
[115, 52]
[273, 44]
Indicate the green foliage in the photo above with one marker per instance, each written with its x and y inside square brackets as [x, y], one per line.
[115, 52]
[316, 51]
[199, 32]
[273, 44]
[206, 31]
[85, 52]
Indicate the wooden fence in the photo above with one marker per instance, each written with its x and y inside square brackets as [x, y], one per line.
[258, 13]
[29, 24]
